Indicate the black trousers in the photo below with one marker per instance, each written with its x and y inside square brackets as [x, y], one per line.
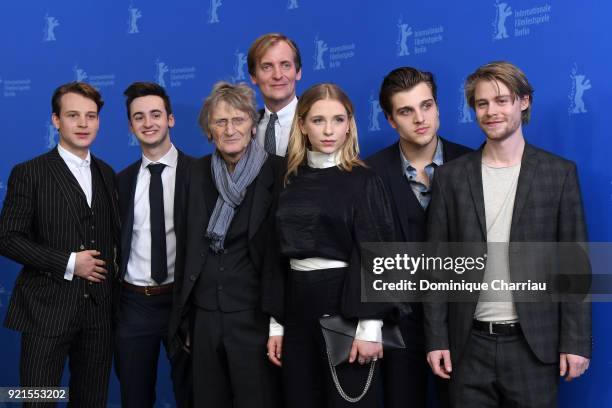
[230, 366]
[502, 371]
[306, 374]
[142, 327]
[89, 349]
[405, 371]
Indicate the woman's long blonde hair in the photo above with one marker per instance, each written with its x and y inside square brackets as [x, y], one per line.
[298, 142]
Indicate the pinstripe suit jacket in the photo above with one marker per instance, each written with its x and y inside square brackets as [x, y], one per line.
[547, 208]
[39, 229]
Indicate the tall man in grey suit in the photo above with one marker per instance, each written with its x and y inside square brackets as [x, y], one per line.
[152, 203]
[409, 99]
[506, 353]
[60, 221]
[275, 65]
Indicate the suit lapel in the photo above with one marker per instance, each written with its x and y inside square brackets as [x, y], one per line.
[68, 185]
[262, 198]
[526, 176]
[403, 196]
[109, 186]
[127, 227]
[180, 177]
[209, 193]
[474, 173]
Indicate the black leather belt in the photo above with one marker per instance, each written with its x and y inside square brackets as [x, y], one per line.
[504, 329]
[149, 290]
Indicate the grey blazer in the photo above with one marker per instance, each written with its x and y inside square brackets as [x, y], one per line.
[547, 208]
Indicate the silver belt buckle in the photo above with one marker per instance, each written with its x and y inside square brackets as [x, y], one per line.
[491, 329]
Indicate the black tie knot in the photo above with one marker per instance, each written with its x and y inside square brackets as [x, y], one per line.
[156, 168]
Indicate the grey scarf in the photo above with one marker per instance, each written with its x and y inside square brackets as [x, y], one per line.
[232, 189]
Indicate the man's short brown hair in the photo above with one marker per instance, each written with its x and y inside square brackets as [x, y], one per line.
[263, 43]
[80, 88]
[506, 73]
[404, 79]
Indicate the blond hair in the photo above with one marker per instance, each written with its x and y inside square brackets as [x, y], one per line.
[298, 141]
[509, 75]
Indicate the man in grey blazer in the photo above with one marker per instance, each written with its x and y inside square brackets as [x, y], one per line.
[60, 220]
[506, 353]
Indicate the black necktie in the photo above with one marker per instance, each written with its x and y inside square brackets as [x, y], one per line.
[159, 263]
[270, 141]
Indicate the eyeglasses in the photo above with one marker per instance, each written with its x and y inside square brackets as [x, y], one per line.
[236, 122]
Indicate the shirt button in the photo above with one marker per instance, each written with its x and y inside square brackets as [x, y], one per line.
[93, 227]
[221, 269]
[93, 241]
[192, 278]
[82, 247]
[90, 283]
[86, 295]
[220, 287]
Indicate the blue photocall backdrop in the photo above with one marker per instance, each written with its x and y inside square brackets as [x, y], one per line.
[564, 48]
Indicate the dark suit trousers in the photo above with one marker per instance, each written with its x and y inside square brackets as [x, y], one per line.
[502, 371]
[405, 371]
[230, 367]
[89, 348]
[306, 374]
[142, 328]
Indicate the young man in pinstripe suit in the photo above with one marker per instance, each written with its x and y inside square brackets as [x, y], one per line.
[60, 220]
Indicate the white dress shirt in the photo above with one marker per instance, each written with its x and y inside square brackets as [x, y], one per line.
[367, 329]
[139, 264]
[81, 170]
[282, 127]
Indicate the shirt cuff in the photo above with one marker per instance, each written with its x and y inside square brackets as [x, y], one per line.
[276, 329]
[70, 267]
[369, 330]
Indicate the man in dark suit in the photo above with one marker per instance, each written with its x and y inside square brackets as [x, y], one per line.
[151, 201]
[408, 98]
[506, 353]
[275, 65]
[221, 280]
[60, 221]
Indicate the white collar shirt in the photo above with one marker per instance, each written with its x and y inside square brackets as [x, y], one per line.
[139, 263]
[282, 127]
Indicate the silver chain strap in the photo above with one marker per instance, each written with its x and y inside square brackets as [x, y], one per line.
[339, 387]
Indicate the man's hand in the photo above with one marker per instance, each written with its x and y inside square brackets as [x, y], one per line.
[440, 363]
[275, 348]
[86, 266]
[572, 366]
[365, 351]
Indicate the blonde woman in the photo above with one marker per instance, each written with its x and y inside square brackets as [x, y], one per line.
[330, 204]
